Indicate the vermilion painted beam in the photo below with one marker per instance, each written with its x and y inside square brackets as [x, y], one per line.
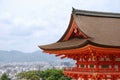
[63, 57]
[98, 50]
[58, 55]
[74, 30]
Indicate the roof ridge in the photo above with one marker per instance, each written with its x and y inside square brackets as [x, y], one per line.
[95, 13]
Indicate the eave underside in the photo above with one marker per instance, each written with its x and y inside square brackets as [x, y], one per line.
[88, 50]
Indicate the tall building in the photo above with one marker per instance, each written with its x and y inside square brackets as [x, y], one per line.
[93, 40]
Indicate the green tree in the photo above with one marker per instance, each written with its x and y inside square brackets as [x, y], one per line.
[49, 74]
[4, 77]
[35, 77]
[53, 74]
[30, 75]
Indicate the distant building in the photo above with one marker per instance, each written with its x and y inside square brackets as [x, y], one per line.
[66, 63]
[13, 69]
[93, 40]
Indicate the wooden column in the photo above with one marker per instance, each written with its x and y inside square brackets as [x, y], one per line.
[77, 63]
[97, 64]
[113, 63]
[119, 67]
[87, 63]
[85, 78]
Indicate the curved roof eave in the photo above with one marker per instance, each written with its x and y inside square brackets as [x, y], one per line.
[87, 42]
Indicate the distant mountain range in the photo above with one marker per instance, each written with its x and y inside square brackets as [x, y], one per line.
[18, 56]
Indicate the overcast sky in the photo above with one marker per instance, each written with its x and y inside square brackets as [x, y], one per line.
[25, 24]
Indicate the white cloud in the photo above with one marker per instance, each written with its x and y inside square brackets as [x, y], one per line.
[24, 24]
[99, 5]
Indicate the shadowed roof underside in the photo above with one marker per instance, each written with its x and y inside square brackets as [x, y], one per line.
[102, 29]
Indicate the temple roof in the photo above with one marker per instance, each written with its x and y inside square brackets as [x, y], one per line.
[96, 28]
[95, 13]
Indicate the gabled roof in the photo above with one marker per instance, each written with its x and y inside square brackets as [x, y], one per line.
[95, 28]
